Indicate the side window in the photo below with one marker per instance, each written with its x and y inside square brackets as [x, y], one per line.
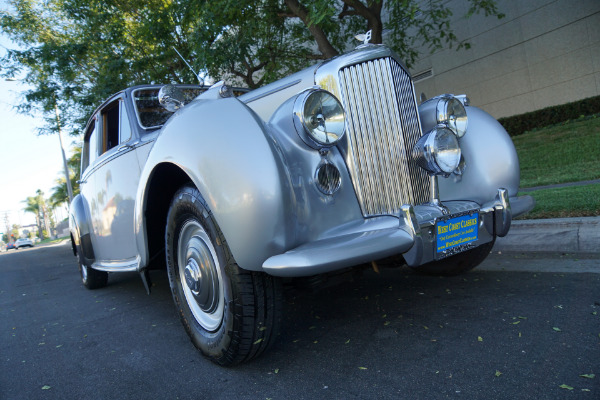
[110, 126]
[90, 146]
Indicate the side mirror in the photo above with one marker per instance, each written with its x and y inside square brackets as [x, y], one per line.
[171, 98]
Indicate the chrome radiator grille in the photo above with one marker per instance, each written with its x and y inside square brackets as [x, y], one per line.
[382, 128]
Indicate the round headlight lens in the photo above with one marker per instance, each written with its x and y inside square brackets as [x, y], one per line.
[323, 117]
[438, 151]
[452, 113]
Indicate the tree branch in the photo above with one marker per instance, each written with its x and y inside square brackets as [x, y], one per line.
[325, 46]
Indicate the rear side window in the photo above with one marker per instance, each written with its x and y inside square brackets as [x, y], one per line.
[90, 146]
[110, 126]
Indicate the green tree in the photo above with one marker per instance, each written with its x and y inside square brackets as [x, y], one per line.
[75, 53]
[38, 206]
[60, 193]
[32, 206]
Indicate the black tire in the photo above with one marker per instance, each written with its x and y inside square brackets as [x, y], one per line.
[458, 263]
[231, 315]
[91, 278]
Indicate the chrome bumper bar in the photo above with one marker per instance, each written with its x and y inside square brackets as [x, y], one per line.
[414, 237]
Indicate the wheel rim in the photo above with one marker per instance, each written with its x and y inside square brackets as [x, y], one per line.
[84, 272]
[200, 275]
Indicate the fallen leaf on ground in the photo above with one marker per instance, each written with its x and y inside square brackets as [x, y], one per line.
[46, 387]
[589, 376]
[498, 373]
[563, 386]
[556, 329]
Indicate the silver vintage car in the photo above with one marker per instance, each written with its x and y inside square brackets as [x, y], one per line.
[332, 167]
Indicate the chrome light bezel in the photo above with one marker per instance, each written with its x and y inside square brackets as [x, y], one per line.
[328, 178]
[426, 151]
[303, 125]
[446, 114]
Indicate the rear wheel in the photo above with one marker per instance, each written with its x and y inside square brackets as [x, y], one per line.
[458, 263]
[231, 315]
[91, 278]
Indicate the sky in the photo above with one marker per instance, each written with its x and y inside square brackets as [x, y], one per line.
[28, 162]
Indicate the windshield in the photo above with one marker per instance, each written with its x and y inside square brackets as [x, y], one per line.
[150, 113]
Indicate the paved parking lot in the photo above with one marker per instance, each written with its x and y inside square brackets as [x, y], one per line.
[507, 331]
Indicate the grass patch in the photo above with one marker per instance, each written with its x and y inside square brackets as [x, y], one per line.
[573, 201]
[45, 241]
[568, 152]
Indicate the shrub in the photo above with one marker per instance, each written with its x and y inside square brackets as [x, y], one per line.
[521, 123]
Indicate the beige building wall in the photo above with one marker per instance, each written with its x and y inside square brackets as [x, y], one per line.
[542, 53]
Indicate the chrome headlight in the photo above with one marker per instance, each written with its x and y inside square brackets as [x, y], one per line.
[319, 118]
[451, 112]
[438, 151]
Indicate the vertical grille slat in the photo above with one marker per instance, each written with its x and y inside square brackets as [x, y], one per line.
[383, 126]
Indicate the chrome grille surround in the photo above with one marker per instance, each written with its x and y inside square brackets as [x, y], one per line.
[382, 128]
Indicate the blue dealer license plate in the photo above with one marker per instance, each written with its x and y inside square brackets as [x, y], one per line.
[456, 231]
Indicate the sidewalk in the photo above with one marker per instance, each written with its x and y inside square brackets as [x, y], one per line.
[565, 235]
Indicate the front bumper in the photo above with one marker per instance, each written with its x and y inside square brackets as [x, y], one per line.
[413, 237]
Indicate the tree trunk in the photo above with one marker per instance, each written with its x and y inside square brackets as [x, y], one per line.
[325, 47]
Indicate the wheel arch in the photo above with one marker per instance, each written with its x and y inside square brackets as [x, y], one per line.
[231, 161]
[164, 182]
[80, 230]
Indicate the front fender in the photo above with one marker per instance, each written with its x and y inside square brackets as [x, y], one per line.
[80, 229]
[491, 162]
[222, 146]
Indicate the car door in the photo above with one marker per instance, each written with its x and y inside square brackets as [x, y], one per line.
[110, 186]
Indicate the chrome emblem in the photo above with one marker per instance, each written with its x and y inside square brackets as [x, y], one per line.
[364, 37]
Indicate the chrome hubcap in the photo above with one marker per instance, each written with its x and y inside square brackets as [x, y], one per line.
[84, 272]
[200, 274]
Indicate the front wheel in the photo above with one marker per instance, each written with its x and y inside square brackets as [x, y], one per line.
[231, 315]
[458, 263]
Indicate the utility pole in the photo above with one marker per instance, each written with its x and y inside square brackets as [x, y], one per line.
[7, 225]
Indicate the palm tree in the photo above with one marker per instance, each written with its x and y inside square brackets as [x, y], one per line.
[38, 206]
[34, 208]
[44, 214]
[60, 193]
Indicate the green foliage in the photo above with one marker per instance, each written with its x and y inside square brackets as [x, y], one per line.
[75, 53]
[38, 206]
[564, 153]
[519, 124]
[60, 193]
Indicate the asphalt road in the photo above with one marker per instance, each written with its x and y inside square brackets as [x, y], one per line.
[506, 331]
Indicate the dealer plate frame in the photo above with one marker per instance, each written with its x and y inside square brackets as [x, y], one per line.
[456, 249]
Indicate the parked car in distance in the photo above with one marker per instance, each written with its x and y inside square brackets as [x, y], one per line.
[23, 242]
[332, 167]
[10, 245]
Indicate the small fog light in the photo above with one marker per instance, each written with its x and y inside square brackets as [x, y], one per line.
[327, 178]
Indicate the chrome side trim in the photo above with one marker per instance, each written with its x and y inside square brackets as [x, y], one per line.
[275, 90]
[132, 265]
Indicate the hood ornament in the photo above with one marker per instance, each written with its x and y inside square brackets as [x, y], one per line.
[364, 37]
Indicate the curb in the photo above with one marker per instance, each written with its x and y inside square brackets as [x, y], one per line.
[565, 235]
